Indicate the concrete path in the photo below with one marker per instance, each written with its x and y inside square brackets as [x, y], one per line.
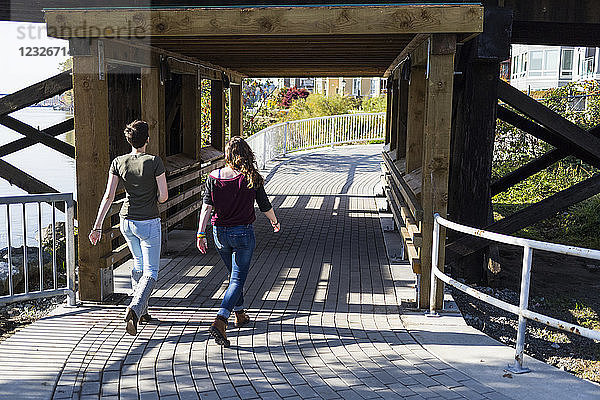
[324, 300]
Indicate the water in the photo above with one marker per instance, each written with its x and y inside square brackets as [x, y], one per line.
[41, 162]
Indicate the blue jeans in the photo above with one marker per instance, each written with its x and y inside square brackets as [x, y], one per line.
[235, 245]
[144, 240]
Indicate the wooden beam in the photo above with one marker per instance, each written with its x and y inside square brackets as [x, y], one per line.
[436, 153]
[406, 51]
[388, 112]
[38, 136]
[35, 93]
[217, 115]
[417, 92]
[235, 110]
[23, 143]
[530, 215]
[183, 62]
[91, 161]
[188, 114]
[582, 144]
[348, 20]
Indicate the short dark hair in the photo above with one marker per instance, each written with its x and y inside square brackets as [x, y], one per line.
[136, 133]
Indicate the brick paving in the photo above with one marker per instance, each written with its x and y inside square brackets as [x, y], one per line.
[321, 293]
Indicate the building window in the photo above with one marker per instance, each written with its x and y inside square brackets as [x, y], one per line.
[588, 67]
[551, 62]
[356, 87]
[536, 63]
[566, 64]
[375, 86]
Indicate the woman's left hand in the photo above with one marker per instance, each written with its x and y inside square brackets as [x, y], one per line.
[202, 245]
[95, 236]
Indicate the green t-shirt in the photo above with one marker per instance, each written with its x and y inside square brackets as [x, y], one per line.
[138, 173]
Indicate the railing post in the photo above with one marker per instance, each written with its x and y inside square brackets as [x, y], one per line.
[332, 139]
[264, 160]
[518, 368]
[70, 250]
[285, 134]
[435, 248]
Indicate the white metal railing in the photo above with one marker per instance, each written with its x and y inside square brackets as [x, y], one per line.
[56, 288]
[522, 310]
[278, 139]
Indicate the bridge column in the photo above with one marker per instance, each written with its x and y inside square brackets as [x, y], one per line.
[235, 110]
[436, 153]
[90, 94]
[217, 115]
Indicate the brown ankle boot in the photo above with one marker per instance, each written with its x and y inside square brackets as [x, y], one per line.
[217, 330]
[241, 318]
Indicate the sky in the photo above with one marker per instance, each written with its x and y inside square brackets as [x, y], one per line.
[19, 71]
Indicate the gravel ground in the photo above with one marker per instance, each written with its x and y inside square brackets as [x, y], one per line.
[569, 352]
[16, 315]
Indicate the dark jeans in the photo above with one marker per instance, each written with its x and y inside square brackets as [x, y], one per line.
[235, 245]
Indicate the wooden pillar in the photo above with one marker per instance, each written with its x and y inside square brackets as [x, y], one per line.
[217, 115]
[394, 115]
[153, 109]
[235, 110]
[436, 153]
[388, 111]
[402, 113]
[473, 133]
[92, 161]
[417, 91]
[188, 114]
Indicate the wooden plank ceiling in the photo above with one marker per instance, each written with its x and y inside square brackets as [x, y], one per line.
[276, 41]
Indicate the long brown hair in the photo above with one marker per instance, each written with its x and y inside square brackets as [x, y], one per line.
[240, 157]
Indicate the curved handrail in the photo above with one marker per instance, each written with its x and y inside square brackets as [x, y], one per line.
[522, 310]
[330, 130]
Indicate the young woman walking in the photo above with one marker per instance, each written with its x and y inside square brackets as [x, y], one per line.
[143, 176]
[231, 192]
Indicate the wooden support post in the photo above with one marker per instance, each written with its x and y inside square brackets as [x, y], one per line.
[190, 136]
[415, 123]
[217, 115]
[153, 109]
[402, 114]
[91, 161]
[394, 115]
[235, 110]
[473, 133]
[388, 112]
[436, 155]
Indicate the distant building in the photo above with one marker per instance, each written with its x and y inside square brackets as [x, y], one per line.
[357, 87]
[544, 67]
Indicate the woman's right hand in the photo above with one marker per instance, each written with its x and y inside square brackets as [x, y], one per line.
[202, 245]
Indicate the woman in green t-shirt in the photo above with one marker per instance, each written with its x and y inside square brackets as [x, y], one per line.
[143, 176]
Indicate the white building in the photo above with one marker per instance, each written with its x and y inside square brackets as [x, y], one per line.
[544, 67]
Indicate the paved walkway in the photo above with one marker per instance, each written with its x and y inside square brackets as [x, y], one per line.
[321, 292]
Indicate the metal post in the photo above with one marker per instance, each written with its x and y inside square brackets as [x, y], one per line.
[10, 265]
[54, 268]
[70, 250]
[517, 367]
[285, 134]
[25, 257]
[264, 160]
[435, 249]
[333, 131]
[40, 255]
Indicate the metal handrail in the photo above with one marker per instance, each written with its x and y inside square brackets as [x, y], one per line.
[55, 290]
[304, 134]
[522, 310]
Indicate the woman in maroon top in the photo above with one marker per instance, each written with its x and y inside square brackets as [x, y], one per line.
[231, 192]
